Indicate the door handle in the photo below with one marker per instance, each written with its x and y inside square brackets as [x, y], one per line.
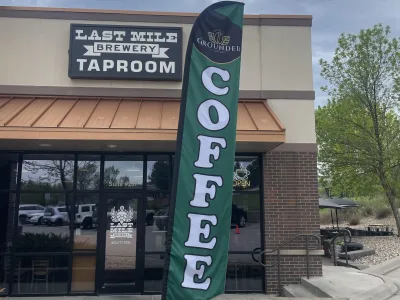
[255, 251]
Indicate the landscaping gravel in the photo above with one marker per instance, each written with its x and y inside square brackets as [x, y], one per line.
[386, 247]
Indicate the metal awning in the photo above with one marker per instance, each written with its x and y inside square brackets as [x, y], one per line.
[326, 203]
[122, 119]
[344, 202]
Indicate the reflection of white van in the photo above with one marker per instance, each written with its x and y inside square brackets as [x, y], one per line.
[84, 215]
[27, 210]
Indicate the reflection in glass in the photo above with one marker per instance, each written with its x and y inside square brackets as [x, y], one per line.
[5, 266]
[49, 175]
[246, 174]
[8, 171]
[40, 274]
[83, 273]
[158, 173]
[120, 252]
[243, 273]
[156, 206]
[123, 172]
[88, 177]
[85, 229]
[153, 272]
[245, 220]
[7, 206]
[44, 218]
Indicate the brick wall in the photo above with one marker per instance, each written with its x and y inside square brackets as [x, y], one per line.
[291, 208]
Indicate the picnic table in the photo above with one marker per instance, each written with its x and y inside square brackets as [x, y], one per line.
[379, 228]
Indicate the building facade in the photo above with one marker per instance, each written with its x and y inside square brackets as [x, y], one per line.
[89, 108]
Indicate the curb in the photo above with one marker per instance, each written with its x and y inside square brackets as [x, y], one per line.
[382, 292]
[385, 267]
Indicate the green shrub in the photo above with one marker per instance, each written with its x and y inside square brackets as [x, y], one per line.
[325, 217]
[367, 210]
[354, 220]
[383, 213]
[42, 242]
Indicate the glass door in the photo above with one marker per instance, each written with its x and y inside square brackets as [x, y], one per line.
[119, 242]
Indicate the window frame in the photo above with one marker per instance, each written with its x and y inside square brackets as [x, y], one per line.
[74, 191]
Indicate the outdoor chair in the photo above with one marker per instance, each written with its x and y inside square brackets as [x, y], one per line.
[19, 272]
[40, 272]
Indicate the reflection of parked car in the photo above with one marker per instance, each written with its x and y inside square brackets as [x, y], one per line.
[84, 215]
[36, 219]
[149, 217]
[26, 210]
[57, 216]
[239, 217]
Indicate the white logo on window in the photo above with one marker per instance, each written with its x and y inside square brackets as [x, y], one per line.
[122, 215]
[122, 226]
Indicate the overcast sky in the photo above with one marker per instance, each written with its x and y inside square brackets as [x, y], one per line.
[331, 17]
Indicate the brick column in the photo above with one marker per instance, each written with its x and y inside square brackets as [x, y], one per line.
[290, 208]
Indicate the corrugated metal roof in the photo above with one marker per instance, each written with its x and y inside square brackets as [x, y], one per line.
[102, 113]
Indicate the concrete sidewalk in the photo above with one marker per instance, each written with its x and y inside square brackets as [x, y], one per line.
[144, 297]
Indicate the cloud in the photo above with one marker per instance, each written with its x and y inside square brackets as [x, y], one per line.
[330, 17]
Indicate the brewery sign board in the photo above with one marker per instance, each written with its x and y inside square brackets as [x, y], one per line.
[125, 52]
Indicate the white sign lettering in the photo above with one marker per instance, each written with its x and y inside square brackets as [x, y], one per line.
[205, 188]
[191, 270]
[125, 52]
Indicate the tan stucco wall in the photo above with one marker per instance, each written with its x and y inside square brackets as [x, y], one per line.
[36, 53]
[298, 118]
[286, 58]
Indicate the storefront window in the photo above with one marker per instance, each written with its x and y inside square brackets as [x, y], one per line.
[83, 273]
[123, 172]
[246, 174]
[88, 177]
[245, 222]
[158, 172]
[8, 171]
[47, 172]
[153, 272]
[45, 219]
[49, 200]
[243, 274]
[8, 186]
[86, 221]
[157, 204]
[7, 207]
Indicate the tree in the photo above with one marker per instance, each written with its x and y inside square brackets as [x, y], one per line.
[111, 176]
[159, 176]
[358, 131]
[57, 173]
[254, 176]
[87, 175]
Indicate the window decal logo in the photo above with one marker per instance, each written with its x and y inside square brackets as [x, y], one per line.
[121, 225]
[122, 215]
